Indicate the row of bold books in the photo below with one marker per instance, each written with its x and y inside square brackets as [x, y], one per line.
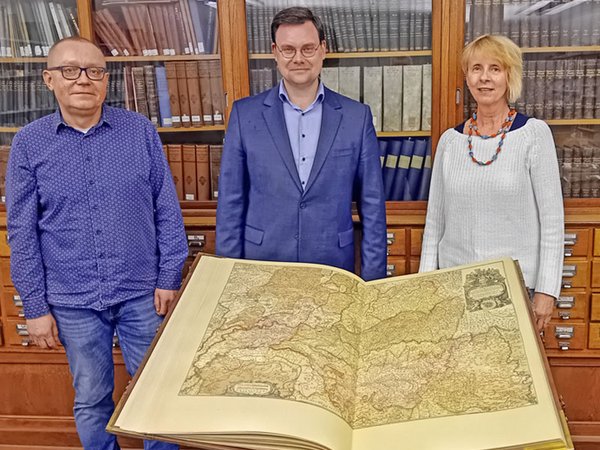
[580, 170]
[406, 168]
[534, 23]
[23, 95]
[558, 89]
[178, 94]
[399, 96]
[30, 27]
[358, 26]
[169, 27]
[195, 169]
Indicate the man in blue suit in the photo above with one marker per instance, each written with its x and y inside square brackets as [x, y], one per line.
[295, 158]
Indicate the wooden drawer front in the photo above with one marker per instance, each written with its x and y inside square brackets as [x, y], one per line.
[575, 274]
[5, 272]
[414, 265]
[594, 339]
[11, 303]
[571, 305]
[396, 242]
[577, 241]
[597, 242]
[416, 239]
[595, 311]
[15, 333]
[565, 336]
[201, 241]
[4, 248]
[396, 266]
[596, 273]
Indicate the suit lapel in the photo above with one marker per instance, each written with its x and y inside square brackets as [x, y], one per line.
[275, 120]
[330, 122]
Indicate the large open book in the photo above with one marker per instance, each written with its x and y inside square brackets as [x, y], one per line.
[265, 356]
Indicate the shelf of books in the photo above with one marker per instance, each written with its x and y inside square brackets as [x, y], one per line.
[561, 76]
[379, 53]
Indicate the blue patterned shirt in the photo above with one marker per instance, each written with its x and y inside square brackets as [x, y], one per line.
[93, 218]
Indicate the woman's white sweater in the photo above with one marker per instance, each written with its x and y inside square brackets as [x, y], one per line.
[513, 207]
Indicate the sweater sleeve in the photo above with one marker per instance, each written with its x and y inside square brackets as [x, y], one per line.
[434, 223]
[545, 179]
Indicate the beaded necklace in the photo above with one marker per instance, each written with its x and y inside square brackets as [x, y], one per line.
[503, 130]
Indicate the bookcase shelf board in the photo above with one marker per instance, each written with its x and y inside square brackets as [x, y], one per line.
[573, 122]
[565, 49]
[40, 59]
[357, 55]
[420, 133]
[190, 129]
[215, 56]
[9, 129]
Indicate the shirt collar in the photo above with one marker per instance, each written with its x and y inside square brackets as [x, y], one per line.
[105, 118]
[283, 96]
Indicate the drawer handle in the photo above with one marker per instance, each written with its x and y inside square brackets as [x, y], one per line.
[569, 270]
[568, 252]
[564, 315]
[564, 346]
[22, 329]
[25, 342]
[565, 302]
[566, 284]
[570, 238]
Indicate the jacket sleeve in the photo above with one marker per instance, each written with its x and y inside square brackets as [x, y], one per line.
[371, 204]
[233, 198]
[26, 262]
[170, 233]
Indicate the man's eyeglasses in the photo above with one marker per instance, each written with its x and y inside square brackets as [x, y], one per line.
[289, 52]
[74, 72]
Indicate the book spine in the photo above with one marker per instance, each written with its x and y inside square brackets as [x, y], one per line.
[578, 87]
[184, 99]
[189, 172]
[216, 92]
[162, 89]
[205, 92]
[151, 94]
[373, 93]
[415, 171]
[171, 73]
[559, 88]
[549, 89]
[139, 91]
[202, 172]
[394, 148]
[404, 25]
[540, 89]
[193, 88]
[411, 99]
[392, 98]
[427, 99]
[176, 163]
[215, 153]
[350, 82]
[569, 90]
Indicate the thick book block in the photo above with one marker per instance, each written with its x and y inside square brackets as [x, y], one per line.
[399, 185]
[373, 93]
[427, 100]
[412, 89]
[151, 94]
[176, 164]
[426, 176]
[225, 372]
[539, 89]
[392, 98]
[190, 191]
[139, 91]
[415, 171]
[394, 147]
[202, 172]
[216, 92]
[162, 91]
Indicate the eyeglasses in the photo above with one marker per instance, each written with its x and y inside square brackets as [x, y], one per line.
[74, 72]
[289, 52]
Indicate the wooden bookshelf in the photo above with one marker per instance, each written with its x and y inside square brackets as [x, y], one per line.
[209, 57]
[358, 55]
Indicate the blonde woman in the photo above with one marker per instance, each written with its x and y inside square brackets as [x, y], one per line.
[495, 188]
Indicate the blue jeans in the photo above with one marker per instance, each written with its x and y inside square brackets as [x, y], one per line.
[87, 337]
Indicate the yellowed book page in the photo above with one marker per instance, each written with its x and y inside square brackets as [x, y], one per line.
[166, 400]
[461, 369]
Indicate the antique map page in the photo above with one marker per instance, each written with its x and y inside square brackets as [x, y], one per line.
[274, 351]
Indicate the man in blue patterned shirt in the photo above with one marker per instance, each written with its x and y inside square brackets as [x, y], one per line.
[95, 230]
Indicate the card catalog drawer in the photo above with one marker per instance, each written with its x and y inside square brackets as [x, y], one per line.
[575, 274]
[395, 266]
[577, 241]
[396, 241]
[595, 314]
[201, 241]
[16, 334]
[416, 240]
[565, 336]
[4, 248]
[414, 265]
[594, 338]
[11, 303]
[5, 272]
[571, 305]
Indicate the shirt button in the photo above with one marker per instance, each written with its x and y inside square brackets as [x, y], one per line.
[92, 182]
[304, 182]
[95, 207]
[302, 205]
[303, 135]
[98, 231]
[296, 236]
[88, 159]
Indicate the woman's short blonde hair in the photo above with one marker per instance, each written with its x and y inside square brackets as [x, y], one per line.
[506, 52]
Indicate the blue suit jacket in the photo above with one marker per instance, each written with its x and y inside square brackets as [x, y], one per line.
[264, 214]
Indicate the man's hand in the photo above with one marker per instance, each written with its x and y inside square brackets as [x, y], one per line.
[543, 305]
[164, 300]
[43, 331]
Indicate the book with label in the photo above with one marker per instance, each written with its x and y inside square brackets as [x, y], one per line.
[268, 355]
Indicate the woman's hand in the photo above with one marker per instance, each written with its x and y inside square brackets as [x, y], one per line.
[543, 305]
